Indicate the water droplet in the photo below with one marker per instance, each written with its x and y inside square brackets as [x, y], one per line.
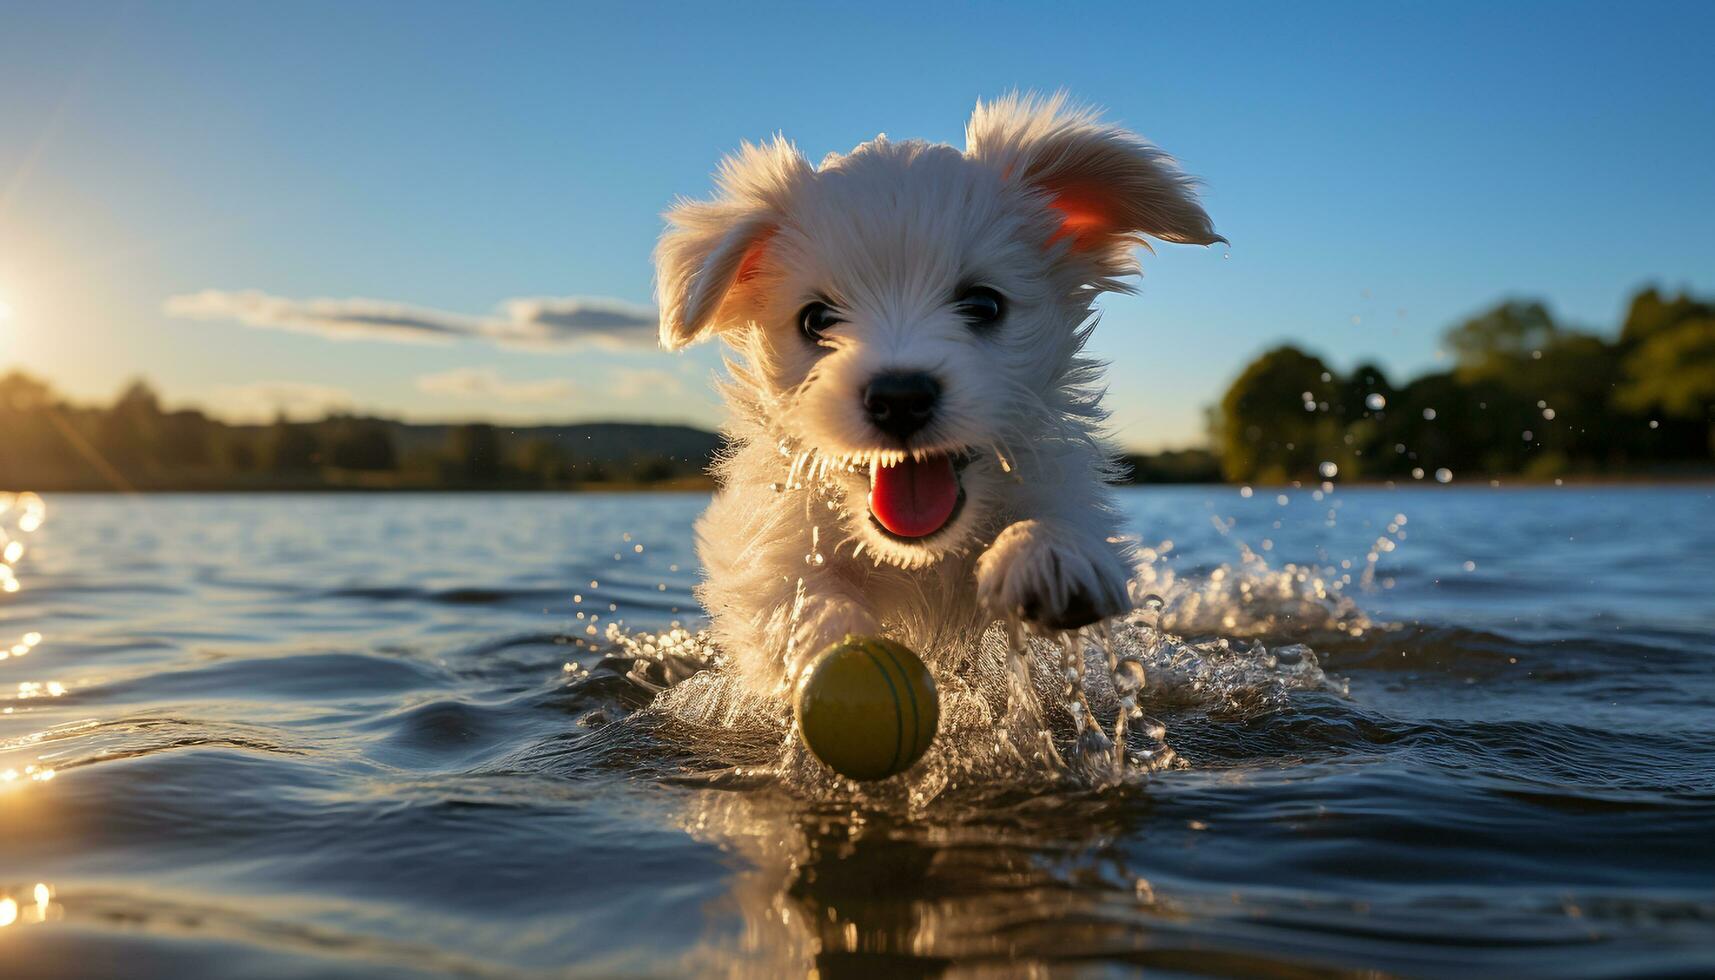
[1375, 402]
[1329, 470]
[1128, 677]
[1429, 415]
[1444, 475]
[1245, 492]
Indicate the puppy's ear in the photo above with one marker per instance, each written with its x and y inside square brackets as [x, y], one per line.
[1107, 187]
[711, 250]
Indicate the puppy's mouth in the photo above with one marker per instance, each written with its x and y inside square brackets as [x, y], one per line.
[917, 497]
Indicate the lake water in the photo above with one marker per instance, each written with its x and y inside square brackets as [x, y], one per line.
[384, 736]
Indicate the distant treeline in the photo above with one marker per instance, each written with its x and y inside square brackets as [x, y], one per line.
[1524, 396]
[47, 443]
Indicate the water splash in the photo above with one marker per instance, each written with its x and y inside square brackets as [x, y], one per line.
[1020, 711]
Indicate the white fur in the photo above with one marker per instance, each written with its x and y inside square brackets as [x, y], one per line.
[889, 233]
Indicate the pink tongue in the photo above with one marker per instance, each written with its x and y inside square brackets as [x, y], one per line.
[914, 498]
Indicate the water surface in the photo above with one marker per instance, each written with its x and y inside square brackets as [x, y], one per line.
[377, 736]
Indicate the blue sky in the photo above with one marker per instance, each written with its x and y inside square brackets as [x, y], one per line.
[1381, 169]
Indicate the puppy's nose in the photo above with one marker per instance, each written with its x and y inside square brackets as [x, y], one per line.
[901, 403]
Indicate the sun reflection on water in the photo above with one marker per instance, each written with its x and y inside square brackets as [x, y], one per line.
[25, 644]
[34, 773]
[36, 907]
[22, 514]
[25, 512]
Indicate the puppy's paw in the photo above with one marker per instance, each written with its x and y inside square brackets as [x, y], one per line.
[822, 621]
[1052, 579]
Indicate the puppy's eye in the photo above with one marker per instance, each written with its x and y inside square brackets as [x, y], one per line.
[816, 318]
[981, 307]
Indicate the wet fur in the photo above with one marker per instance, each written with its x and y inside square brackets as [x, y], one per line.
[1047, 205]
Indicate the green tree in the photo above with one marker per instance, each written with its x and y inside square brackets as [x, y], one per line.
[127, 435]
[184, 440]
[291, 447]
[360, 444]
[1493, 342]
[473, 452]
[546, 462]
[20, 393]
[1276, 421]
[1669, 367]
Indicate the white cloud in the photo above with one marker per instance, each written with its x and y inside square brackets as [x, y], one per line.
[536, 323]
[486, 383]
[263, 400]
[340, 319]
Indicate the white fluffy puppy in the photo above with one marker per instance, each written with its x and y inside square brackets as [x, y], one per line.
[915, 442]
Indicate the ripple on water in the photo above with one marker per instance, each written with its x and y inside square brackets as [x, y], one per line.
[341, 736]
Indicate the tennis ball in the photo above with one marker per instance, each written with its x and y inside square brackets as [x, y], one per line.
[867, 707]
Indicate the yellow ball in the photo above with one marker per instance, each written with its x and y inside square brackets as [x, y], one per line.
[867, 707]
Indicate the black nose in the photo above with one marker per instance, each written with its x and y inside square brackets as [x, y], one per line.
[901, 404]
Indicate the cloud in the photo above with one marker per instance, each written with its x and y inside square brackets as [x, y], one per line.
[340, 319]
[486, 383]
[534, 323]
[550, 322]
[263, 400]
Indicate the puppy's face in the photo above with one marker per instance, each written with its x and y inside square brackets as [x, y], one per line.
[910, 315]
[910, 335]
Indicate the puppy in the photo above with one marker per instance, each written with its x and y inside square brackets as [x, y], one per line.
[915, 442]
